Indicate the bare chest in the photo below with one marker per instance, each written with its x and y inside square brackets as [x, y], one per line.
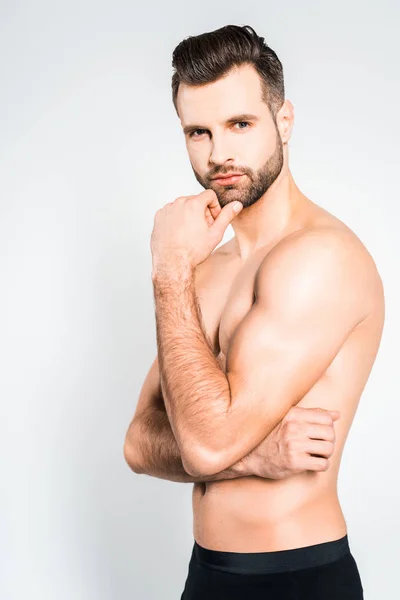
[224, 302]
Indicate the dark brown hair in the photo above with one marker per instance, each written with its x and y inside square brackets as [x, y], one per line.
[207, 57]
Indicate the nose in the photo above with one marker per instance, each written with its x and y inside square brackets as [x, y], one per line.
[220, 152]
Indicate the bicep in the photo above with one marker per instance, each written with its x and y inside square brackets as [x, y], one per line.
[304, 311]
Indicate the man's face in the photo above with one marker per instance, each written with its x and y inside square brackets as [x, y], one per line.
[250, 146]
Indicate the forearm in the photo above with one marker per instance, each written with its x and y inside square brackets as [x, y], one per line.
[195, 388]
[158, 454]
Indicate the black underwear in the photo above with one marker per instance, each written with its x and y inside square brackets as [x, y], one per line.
[326, 571]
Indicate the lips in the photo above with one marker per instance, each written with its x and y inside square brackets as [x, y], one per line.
[228, 180]
[227, 176]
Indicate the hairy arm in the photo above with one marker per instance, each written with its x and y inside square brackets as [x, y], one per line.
[150, 447]
[309, 297]
[160, 455]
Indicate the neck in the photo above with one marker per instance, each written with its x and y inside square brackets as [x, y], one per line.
[274, 214]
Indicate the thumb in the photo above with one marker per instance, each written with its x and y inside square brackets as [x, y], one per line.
[227, 214]
[335, 414]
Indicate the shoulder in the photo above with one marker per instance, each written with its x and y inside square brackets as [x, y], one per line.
[316, 246]
[325, 260]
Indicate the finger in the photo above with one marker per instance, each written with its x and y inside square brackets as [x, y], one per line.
[215, 211]
[320, 432]
[315, 415]
[320, 448]
[227, 214]
[209, 217]
[316, 463]
[210, 199]
[335, 414]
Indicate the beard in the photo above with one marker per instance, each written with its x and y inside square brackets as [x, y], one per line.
[250, 188]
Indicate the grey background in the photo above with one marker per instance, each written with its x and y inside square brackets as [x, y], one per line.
[85, 118]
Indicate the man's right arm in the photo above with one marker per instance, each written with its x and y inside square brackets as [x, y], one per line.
[150, 446]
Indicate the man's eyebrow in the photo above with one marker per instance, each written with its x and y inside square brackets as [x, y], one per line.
[234, 119]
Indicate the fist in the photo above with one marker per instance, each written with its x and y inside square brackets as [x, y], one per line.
[303, 441]
[188, 229]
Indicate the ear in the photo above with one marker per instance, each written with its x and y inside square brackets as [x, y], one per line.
[285, 120]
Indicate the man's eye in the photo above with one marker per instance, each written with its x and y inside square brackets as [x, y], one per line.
[193, 132]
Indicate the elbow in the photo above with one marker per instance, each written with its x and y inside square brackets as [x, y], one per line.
[131, 457]
[199, 462]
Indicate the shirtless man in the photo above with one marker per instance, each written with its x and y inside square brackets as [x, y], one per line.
[258, 340]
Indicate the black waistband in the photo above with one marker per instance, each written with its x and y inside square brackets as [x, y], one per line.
[275, 561]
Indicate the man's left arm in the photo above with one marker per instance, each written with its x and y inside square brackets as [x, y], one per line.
[310, 294]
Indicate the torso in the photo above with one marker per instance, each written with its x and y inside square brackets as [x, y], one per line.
[251, 514]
